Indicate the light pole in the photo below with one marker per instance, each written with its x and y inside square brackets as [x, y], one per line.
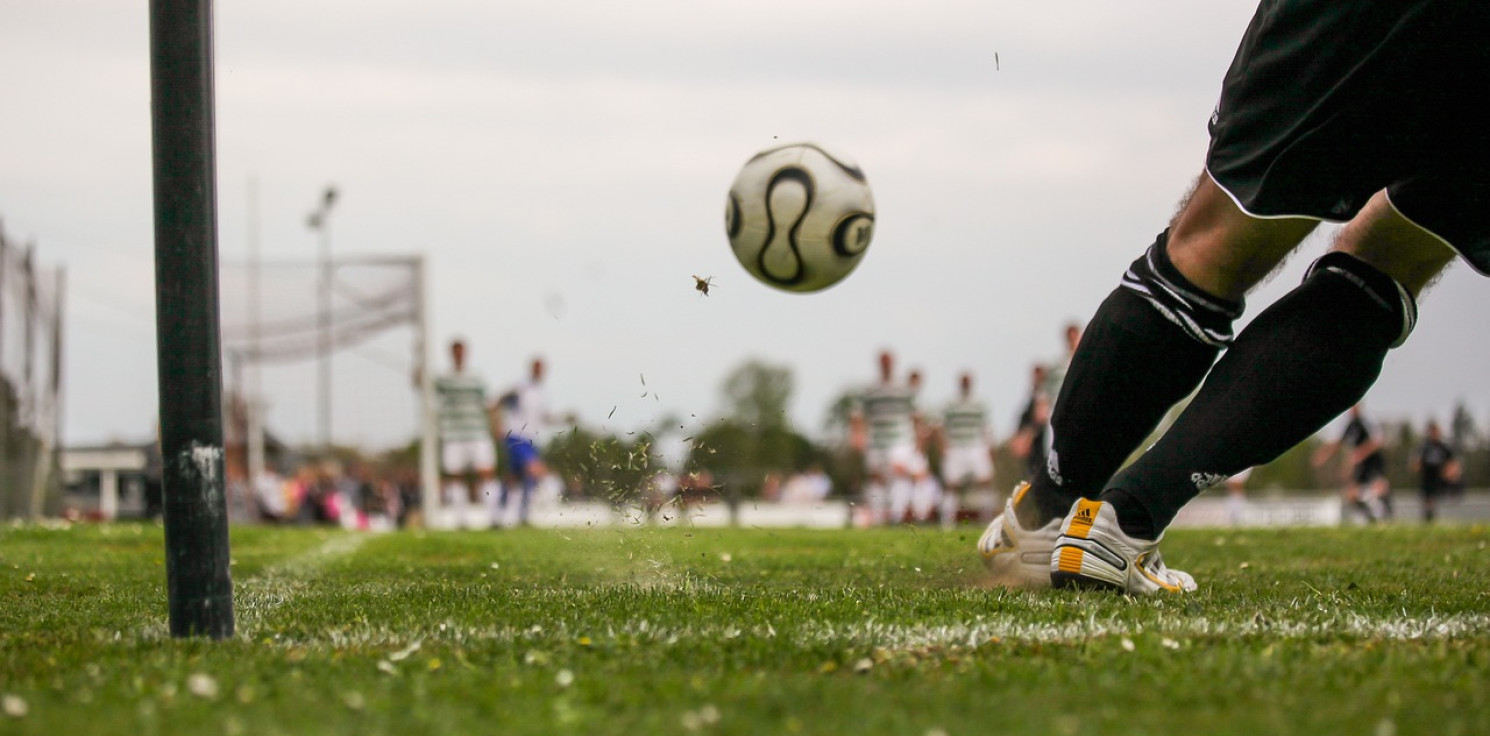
[320, 221]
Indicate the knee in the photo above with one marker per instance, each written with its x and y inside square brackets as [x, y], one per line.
[1380, 291]
[1386, 240]
[1158, 285]
[1225, 251]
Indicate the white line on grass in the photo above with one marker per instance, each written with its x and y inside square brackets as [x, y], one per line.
[871, 633]
[261, 595]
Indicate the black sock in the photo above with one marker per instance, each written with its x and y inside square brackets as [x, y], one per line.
[1302, 362]
[1133, 517]
[1148, 346]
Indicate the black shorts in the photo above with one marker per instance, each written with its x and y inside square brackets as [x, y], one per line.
[1329, 102]
[1368, 470]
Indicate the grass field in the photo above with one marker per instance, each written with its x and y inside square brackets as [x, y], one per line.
[751, 631]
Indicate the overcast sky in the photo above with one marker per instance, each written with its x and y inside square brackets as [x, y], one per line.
[562, 165]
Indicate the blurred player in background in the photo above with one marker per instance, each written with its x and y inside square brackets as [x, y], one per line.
[967, 449]
[882, 427]
[1367, 489]
[923, 496]
[1032, 433]
[1055, 372]
[1437, 469]
[1347, 112]
[524, 417]
[465, 442]
[1236, 497]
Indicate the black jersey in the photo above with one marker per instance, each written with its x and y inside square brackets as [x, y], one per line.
[1434, 457]
[1357, 433]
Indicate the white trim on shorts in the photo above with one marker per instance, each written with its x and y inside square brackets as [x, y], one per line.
[1436, 236]
[1238, 202]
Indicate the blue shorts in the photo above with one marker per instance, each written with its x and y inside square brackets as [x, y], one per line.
[522, 452]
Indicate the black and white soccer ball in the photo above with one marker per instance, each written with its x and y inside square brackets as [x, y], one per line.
[800, 217]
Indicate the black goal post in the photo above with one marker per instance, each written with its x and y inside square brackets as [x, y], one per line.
[199, 588]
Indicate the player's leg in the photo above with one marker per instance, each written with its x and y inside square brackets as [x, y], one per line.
[901, 489]
[952, 503]
[455, 460]
[1302, 362]
[1381, 496]
[478, 486]
[980, 492]
[1152, 341]
[1354, 498]
[535, 470]
[1430, 492]
[1365, 492]
[876, 488]
[956, 480]
[901, 482]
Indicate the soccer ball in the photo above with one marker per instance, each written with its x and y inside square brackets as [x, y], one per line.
[799, 218]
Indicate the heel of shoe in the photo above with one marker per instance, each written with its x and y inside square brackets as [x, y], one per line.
[1077, 581]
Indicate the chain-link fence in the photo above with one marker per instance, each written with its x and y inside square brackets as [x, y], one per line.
[30, 382]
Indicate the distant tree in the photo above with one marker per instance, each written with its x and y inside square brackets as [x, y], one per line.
[1463, 434]
[839, 411]
[1401, 440]
[756, 438]
[757, 394]
[1293, 470]
[613, 469]
[1472, 446]
[740, 456]
[844, 464]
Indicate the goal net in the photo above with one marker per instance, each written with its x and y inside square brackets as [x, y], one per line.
[30, 378]
[325, 360]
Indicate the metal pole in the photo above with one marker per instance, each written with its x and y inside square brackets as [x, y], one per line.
[255, 390]
[320, 220]
[188, 343]
[429, 470]
[7, 410]
[50, 428]
[27, 397]
[324, 408]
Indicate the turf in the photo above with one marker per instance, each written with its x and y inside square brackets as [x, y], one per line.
[750, 631]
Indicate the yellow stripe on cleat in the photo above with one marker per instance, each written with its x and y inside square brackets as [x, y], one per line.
[1070, 560]
[1082, 520]
[1020, 490]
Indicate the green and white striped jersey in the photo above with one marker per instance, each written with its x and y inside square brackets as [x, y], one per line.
[889, 410]
[965, 423]
[462, 408]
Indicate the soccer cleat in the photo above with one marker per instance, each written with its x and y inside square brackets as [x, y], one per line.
[1092, 552]
[1015, 556]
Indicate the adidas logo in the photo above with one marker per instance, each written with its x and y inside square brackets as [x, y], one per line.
[1203, 481]
[1053, 467]
[1085, 515]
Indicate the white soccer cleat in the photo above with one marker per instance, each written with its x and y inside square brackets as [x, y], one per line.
[1092, 552]
[1018, 557]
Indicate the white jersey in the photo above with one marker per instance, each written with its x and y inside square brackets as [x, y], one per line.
[462, 408]
[526, 415]
[967, 458]
[1055, 376]
[965, 424]
[889, 411]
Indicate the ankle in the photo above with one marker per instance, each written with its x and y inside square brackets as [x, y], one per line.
[1036, 505]
[1133, 517]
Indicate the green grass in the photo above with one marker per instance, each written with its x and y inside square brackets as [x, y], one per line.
[640, 631]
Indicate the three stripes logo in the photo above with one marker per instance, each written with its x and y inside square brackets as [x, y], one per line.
[1086, 515]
